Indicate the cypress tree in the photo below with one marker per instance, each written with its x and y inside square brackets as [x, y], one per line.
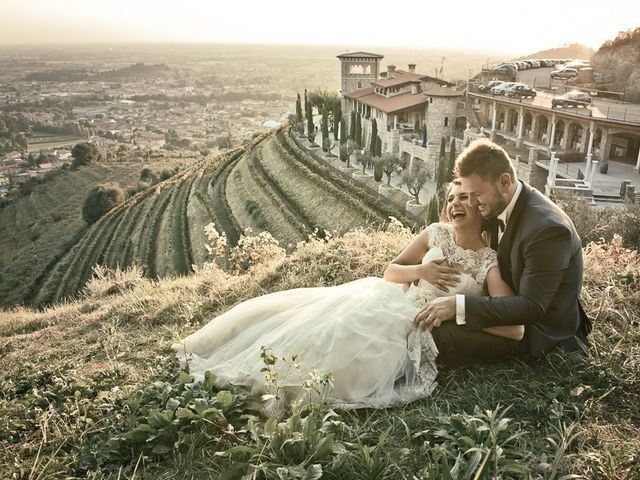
[442, 164]
[343, 131]
[452, 161]
[358, 138]
[306, 103]
[311, 132]
[352, 126]
[325, 131]
[298, 110]
[374, 137]
[433, 211]
[337, 119]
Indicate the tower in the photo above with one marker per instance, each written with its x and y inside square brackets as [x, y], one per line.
[358, 70]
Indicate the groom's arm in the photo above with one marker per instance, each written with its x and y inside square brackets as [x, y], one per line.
[546, 259]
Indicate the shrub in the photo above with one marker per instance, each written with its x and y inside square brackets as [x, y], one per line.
[100, 200]
[85, 154]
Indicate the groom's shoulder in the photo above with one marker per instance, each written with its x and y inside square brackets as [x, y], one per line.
[541, 212]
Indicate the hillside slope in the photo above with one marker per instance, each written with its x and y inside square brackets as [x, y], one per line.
[621, 56]
[105, 398]
[574, 50]
[270, 185]
[35, 227]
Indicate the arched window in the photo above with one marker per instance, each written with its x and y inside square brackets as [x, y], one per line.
[446, 121]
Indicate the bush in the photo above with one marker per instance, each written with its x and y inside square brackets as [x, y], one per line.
[85, 154]
[100, 200]
[168, 173]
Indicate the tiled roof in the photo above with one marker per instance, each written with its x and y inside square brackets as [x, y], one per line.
[391, 104]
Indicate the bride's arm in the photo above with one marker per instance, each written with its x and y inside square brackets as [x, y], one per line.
[499, 288]
[407, 267]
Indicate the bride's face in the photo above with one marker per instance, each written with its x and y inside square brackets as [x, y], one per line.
[459, 212]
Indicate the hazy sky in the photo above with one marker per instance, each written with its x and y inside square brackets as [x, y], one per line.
[482, 25]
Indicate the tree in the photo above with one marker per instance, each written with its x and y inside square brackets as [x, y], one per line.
[343, 131]
[364, 159]
[388, 163]
[374, 136]
[85, 154]
[148, 176]
[311, 132]
[100, 200]
[452, 161]
[337, 120]
[442, 164]
[298, 110]
[433, 212]
[352, 125]
[326, 143]
[415, 178]
[358, 138]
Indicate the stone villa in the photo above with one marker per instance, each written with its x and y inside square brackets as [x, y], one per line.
[403, 102]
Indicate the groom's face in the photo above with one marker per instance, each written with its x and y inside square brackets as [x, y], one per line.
[486, 195]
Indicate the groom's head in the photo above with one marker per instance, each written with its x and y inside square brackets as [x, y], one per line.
[487, 176]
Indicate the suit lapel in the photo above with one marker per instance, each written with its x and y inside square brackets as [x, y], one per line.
[504, 248]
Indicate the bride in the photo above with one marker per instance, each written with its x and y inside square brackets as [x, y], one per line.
[362, 332]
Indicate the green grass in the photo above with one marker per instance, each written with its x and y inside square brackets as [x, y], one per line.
[106, 398]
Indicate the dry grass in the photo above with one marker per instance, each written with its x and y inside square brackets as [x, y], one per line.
[70, 374]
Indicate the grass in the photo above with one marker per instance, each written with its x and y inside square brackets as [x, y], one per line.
[106, 398]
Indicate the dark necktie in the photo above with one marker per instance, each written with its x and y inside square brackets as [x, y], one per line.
[501, 225]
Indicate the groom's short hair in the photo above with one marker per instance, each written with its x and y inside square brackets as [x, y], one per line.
[486, 159]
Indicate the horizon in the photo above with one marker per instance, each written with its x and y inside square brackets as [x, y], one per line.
[35, 23]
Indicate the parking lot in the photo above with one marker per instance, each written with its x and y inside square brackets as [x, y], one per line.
[548, 88]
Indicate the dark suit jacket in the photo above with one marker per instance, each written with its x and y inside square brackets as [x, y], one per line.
[540, 257]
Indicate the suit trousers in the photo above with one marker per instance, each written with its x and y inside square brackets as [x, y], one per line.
[458, 345]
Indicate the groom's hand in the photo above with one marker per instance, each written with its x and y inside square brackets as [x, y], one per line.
[435, 312]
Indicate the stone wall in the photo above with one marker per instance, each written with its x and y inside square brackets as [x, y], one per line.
[437, 110]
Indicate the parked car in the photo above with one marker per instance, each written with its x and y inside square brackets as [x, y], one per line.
[572, 99]
[487, 88]
[502, 68]
[564, 73]
[520, 90]
[502, 88]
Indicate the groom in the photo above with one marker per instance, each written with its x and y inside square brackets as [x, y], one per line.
[539, 256]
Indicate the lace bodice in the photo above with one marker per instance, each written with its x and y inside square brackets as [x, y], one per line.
[473, 265]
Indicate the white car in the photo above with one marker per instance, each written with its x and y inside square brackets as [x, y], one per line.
[502, 88]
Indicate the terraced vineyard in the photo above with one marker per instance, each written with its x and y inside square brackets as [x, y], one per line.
[34, 228]
[271, 186]
[155, 229]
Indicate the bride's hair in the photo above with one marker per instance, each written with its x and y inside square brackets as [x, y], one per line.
[485, 228]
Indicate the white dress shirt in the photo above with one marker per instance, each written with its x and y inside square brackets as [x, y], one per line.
[504, 216]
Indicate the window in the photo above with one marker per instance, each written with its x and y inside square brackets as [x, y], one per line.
[446, 121]
[359, 84]
[430, 99]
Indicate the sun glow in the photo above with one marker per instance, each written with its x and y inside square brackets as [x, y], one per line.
[471, 25]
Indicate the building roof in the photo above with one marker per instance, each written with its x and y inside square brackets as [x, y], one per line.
[438, 91]
[360, 55]
[391, 104]
[403, 77]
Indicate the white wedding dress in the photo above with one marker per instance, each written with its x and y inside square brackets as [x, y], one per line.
[360, 332]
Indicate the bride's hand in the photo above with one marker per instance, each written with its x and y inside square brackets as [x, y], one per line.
[438, 274]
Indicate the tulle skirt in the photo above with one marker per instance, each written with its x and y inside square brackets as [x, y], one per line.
[361, 332]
